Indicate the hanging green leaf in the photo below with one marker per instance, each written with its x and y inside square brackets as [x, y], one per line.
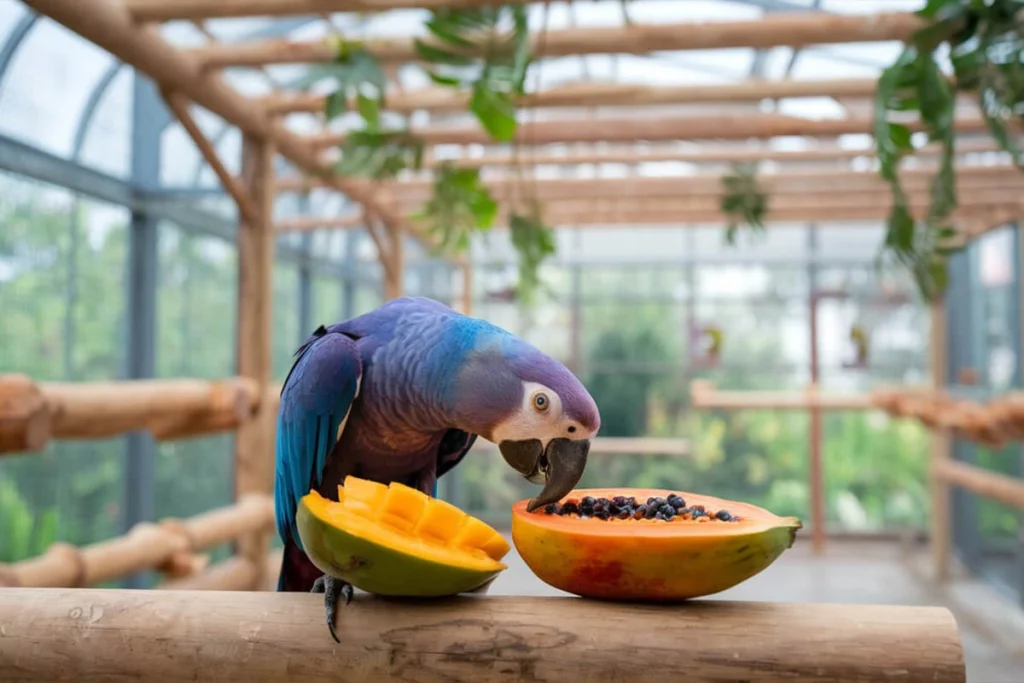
[535, 242]
[985, 43]
[460, 205]
[743, 201]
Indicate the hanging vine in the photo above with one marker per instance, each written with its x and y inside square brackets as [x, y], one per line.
[984, 41]
[483, 52]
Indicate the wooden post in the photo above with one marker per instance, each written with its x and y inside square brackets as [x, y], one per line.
[467, 288]
[167, 636]
[816, 477]
[254, 444]
[395, 276]
[941, 450]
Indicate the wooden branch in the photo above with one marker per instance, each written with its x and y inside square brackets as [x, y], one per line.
[178, 104]
[24, 417]
[600, 95]
[794, 29]
[33, 413]
[985, 483]
[263, 637]
[236, 573]
[704, 396]
[146, 546]
[109, 25]
[650, 128]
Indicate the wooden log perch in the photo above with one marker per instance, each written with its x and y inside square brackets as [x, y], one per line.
[167, 546]
[32, 413]
[260, 637]
[985, 483]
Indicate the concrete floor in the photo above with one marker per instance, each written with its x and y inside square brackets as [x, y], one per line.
[875, 572]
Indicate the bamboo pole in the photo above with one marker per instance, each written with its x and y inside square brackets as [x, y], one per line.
[33, 413]
[109, 25]
[443, 100]
[146, 546]
[793, 29]
[650, 128]
[254, 446]
[262, 637]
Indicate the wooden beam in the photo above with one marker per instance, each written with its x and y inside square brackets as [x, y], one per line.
[109, 25]
[32, 413]
[599, 95]
[624, 154]
[940, 450]
[805, 183]
[269, 637]
[313, 223]
[254, 445]
[178, 104]
[794, 29]
[650, 128]
[985, 483]
[704, 396]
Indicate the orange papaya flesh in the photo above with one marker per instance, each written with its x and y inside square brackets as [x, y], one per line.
[397, 541]
[656, 559]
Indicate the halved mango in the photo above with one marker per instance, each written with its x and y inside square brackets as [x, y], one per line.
[395, 540]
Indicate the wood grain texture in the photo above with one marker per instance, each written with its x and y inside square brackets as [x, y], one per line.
[89, 636]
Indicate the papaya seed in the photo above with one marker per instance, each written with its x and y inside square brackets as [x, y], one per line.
[676, 501]
[551, 509]
[588, 501]
[570, 507]
[723, 515]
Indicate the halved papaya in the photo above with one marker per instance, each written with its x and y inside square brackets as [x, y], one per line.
[607, 543]
[394, 540]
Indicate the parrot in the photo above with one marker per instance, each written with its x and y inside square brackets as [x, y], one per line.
[400, 394]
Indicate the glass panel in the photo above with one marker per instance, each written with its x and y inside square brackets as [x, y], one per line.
[196, 301]
[62, 264]
[46, 86]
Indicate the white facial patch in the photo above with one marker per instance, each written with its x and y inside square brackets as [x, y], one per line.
[539, 417]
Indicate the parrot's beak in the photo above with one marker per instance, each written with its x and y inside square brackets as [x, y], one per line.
[559, 467]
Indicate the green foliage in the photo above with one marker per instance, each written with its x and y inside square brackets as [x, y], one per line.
[485, 51]
[985, 42]
[460, 205]
[23, 533]
[743, 200]
[535, 242]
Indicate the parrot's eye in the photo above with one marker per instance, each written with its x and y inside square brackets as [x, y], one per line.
[540, 401]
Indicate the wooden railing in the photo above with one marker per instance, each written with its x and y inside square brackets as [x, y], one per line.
[34, 413]
[993, 424]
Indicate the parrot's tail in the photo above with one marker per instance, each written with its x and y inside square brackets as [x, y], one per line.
[298, 573]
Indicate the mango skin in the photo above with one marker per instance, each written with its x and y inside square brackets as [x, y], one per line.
[378, 569]
[647, 560]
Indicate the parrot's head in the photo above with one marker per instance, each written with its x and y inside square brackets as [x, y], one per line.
[538, 413]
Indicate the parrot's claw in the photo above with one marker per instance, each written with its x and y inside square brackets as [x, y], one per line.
[332, 589]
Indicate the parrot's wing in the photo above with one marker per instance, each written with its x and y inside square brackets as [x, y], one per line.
[315, 402]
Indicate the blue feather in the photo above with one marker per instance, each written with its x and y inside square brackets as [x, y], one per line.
[317, 396]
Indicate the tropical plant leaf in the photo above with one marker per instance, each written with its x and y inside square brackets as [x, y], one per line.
[535, 242]
[460, 205]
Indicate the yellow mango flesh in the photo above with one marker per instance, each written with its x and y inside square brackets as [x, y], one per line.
[408, 521]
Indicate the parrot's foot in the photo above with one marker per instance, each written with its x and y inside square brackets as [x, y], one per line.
[332, 589]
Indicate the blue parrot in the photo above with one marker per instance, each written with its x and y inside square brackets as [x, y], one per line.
[400, 394]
